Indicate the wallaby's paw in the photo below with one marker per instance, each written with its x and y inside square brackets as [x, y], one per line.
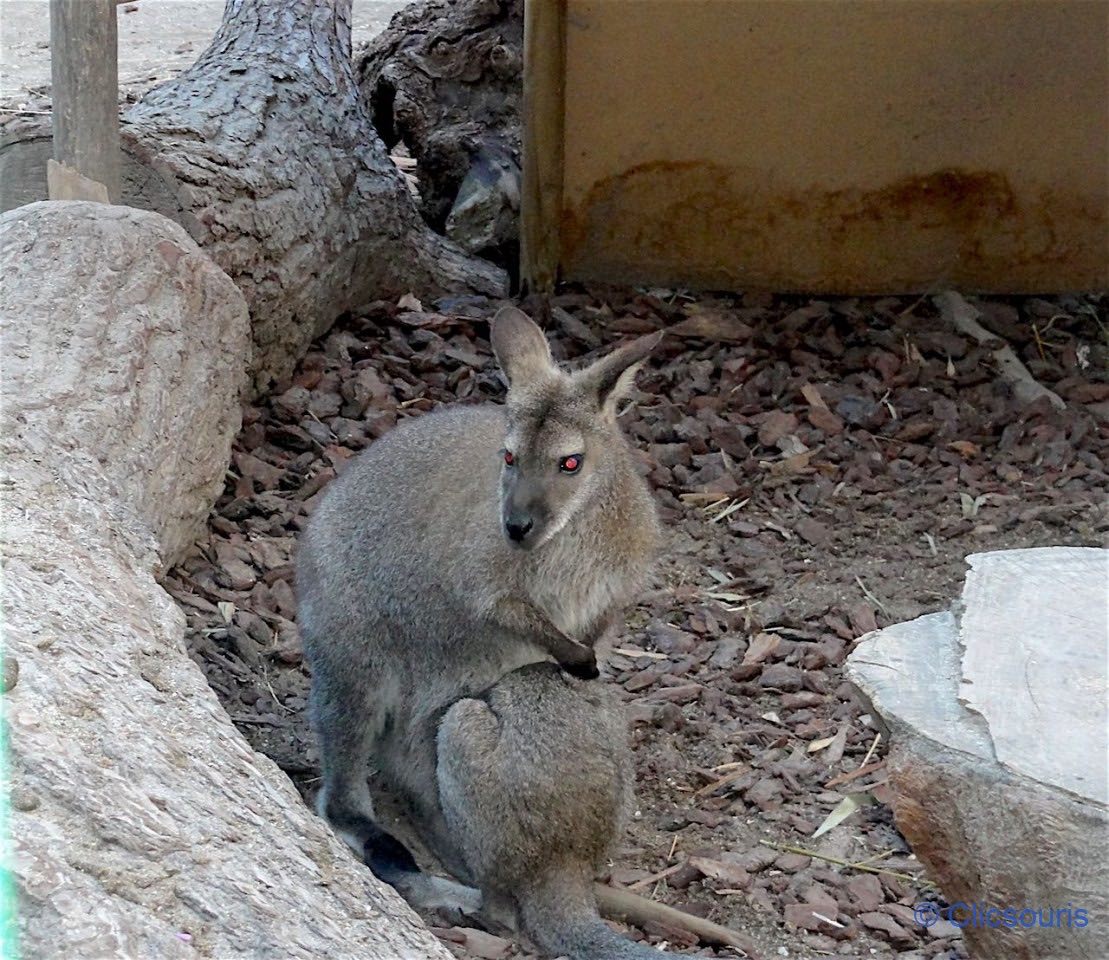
[583, 671]
[388, 858]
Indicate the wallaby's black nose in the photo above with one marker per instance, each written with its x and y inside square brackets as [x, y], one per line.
[517, 529]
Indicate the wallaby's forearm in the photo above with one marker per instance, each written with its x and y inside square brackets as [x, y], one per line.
[521, 616]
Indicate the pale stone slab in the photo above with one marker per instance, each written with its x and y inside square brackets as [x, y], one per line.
[997, 758]
[1035, 639]
[144, 826]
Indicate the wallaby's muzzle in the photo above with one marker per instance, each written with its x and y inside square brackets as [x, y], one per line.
[523, 525]
[524, 509]
[517, 529]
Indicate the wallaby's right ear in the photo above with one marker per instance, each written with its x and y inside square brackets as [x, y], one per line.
[612, 377]
[521, 346]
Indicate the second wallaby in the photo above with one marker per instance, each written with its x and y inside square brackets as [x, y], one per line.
[461, 547]
[534, 781]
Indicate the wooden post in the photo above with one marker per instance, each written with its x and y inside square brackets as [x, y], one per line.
[544, 89]
[85, 85]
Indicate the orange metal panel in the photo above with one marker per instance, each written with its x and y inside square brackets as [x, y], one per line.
[850, 146]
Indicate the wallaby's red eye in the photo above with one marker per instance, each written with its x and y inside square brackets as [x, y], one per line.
[570, 464]
[509, 458]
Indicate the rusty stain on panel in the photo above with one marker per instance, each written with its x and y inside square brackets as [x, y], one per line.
[654, 223]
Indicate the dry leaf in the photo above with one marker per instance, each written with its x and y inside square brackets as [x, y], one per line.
[761, 647]
[730, 873]
[836, 748]
[812, 394]
[971, 505]
[709, 325]
[798, 463]
[965, 448]
[820, 744]
[847, 806]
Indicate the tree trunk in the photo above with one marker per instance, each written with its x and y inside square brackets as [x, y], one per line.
[283, 180]
[446, 79]
[264, 152]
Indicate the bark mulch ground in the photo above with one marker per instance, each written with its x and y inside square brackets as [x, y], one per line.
[823, 467]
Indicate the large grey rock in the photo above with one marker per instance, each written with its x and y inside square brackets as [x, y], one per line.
[143, 824]
[125, 352]
[1000, 744]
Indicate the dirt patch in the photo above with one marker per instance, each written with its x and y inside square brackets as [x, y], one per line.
[823, 467]
[157, 39]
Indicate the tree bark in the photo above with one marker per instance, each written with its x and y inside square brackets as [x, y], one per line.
[264, 152]
[446, 78]
[284, 182]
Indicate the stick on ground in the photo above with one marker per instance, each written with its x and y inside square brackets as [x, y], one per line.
[964, 318]
[627, 906]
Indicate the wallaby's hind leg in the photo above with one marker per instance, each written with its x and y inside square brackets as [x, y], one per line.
[346, 729]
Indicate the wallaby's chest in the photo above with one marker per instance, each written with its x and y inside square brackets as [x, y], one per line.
[575, 589]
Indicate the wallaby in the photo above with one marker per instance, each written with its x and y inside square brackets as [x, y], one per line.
[534, 780]
[460, 547]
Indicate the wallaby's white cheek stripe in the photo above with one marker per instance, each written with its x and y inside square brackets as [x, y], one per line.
[572, 506]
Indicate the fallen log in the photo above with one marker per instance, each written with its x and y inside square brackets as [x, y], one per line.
[264, 152]
[446, 80]
[143, 825]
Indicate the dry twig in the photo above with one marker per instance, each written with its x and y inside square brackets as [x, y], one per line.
[964, 318]
[630, 907]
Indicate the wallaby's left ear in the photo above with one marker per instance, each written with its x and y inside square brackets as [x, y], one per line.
[611, 378]
[520, 346]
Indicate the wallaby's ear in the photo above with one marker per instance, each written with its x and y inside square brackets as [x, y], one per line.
[611, 378]
[520, 345]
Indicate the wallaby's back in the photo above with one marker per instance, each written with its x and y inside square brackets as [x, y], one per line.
[404, 516]
[535, 784]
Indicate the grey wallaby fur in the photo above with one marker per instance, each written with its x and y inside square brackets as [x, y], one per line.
[437, 579]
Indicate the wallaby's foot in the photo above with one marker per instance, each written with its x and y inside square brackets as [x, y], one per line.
[345, 804]
[392, 862]
[454, 902]
[388, 858]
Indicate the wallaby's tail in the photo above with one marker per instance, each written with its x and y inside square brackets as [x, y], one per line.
[560, 915]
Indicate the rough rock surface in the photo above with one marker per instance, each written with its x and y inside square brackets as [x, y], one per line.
[124, 357]
[144, 826]
[1005, 699]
